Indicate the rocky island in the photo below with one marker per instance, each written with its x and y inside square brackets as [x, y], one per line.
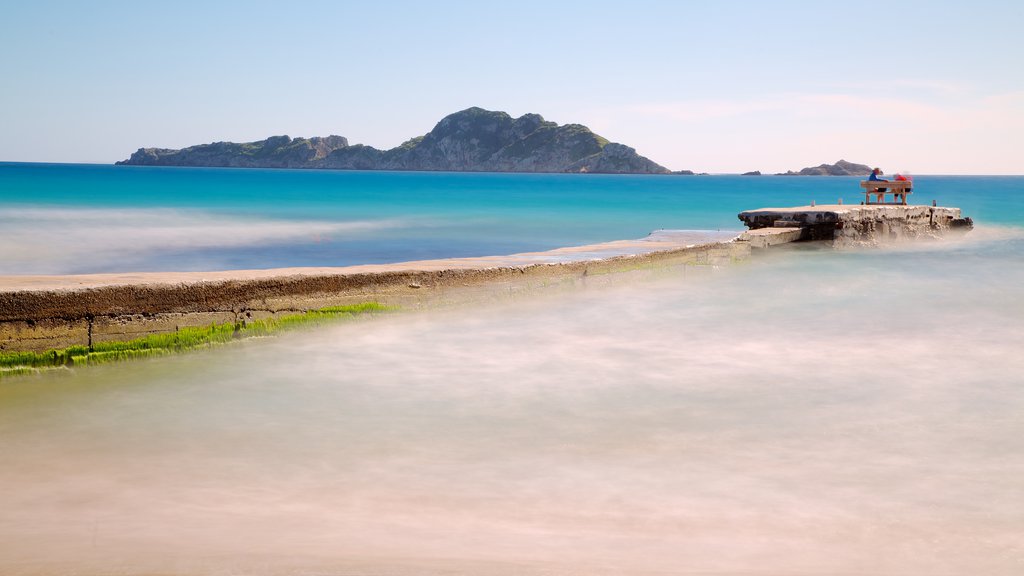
[840, 168]
[474, 140]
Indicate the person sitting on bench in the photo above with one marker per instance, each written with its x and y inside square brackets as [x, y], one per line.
[902, 178]
[875, 178]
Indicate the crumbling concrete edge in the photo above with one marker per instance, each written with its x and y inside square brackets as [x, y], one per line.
[38, 320]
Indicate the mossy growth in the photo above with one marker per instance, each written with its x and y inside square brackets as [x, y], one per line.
[186, 338]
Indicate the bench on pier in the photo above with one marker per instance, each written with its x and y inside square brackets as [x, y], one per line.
[899, 189]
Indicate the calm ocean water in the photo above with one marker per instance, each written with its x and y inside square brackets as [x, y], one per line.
[60, 218]
[809, 411]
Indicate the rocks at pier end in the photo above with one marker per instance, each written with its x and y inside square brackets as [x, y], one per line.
[860, 224]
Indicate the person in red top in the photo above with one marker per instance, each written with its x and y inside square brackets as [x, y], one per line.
[902, 178]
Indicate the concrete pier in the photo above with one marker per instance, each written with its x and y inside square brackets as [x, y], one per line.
[850, 224]
[39, 313]
[47, 312]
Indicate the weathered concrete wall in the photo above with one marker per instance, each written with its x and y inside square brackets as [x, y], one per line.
[43, 333]
[768, 237]
[130, 326]
[912, 222]
[846, 225]
[44, 319]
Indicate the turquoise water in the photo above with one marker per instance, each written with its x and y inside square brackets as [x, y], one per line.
[65, 218]
[808, 411]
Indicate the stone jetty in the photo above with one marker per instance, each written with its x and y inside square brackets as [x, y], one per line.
[39, 313]
[845, 225]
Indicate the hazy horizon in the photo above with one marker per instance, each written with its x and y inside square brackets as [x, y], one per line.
[795, 169]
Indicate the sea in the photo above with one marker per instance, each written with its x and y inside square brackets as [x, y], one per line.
[809, 410]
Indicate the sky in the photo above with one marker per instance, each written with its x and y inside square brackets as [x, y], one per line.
[722, 87]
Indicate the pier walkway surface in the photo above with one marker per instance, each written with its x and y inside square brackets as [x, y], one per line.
[48, 312]
[658, 241]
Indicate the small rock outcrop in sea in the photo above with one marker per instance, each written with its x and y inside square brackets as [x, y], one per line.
[840, 168]
[754, 173]
[471, 140]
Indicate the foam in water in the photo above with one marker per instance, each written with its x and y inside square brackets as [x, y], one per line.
[46, 240]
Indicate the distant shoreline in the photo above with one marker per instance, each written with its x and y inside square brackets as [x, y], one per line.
[711, 174]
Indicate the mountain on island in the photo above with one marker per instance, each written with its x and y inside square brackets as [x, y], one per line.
[473, 140]
[840, 168]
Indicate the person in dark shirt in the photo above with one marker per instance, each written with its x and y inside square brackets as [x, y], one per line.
[875, 178]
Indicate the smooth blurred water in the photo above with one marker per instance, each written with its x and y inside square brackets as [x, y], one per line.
[808, 411]
[65, 218]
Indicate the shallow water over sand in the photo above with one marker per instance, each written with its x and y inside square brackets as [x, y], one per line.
[808, 411]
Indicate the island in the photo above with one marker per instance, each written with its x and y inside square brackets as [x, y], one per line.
[840, 168]
[472, 140]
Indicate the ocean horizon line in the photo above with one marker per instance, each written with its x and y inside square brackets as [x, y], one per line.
[587, 174]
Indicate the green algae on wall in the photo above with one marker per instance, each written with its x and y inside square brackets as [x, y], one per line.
[185, 338]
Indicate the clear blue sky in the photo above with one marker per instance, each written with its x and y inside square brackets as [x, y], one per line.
[925, 87]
